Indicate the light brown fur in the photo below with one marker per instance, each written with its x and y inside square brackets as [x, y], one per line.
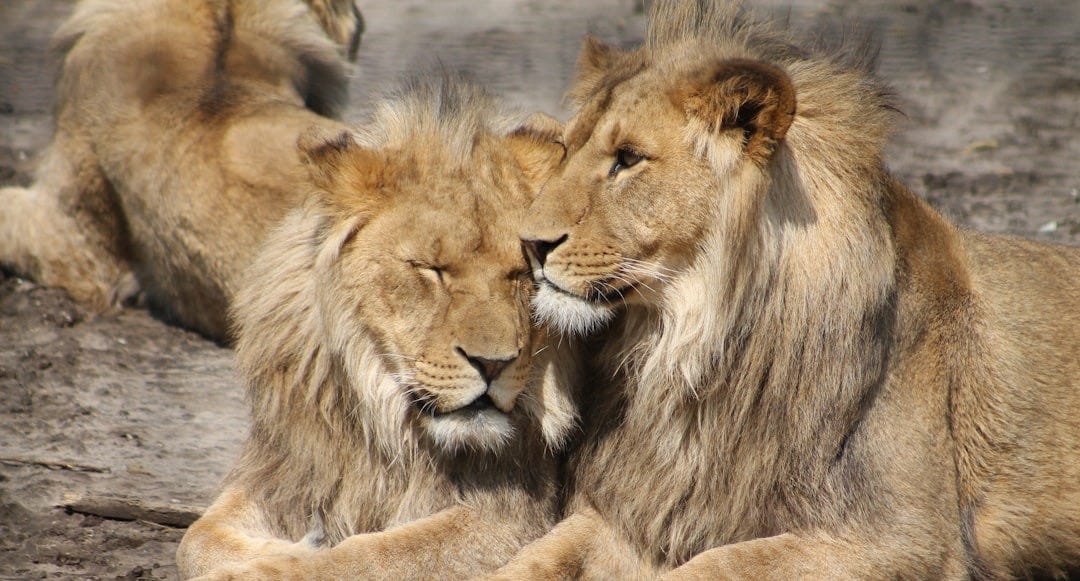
[371, 319]
[174, 150]
[804, 371]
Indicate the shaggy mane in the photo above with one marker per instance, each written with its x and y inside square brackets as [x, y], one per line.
[442, 108]
[746, 351]
[322, 394]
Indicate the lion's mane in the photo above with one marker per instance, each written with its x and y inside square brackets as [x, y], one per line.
[828, 354]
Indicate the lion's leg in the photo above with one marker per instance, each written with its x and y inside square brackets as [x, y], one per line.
[458, 542]
[583, 545]
[455, 543]
[66, 230]
[790, 556]
[232, 530]
[557, 555]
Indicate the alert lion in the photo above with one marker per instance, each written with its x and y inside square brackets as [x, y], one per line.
[815, 375]
[175, 147]
[402, 427]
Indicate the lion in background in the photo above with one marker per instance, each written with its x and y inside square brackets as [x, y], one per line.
[805, 371]
[175, 147]
[405, 412]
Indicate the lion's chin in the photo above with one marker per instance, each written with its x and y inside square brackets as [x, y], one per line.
[568, 314]
[483, 430]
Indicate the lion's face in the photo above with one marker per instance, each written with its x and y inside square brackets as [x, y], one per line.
[623, 213]
[446, 296]
[627, 211]
[427, 267]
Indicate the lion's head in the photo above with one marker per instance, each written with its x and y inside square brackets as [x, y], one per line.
[682, 149]
[403, 277]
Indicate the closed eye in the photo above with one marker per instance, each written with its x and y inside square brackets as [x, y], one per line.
[624, 158]
[435, 273]
[519, 274]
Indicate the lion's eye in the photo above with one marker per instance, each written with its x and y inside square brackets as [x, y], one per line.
[519, 274]
[435, 273]
[624, 158]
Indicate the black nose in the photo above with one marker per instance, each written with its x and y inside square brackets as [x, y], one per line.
[541, 248]
[489, 369]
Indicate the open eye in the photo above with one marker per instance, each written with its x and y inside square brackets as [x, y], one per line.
[624, 158]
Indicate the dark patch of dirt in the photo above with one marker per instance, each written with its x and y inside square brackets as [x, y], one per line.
[127, 405]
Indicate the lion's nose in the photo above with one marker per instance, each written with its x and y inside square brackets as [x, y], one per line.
[488, 368]
[540, 249]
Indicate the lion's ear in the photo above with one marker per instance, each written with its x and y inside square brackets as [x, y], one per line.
[595, 59]
[753, 96]
[537, 146]
[349, 177]
[596, 56]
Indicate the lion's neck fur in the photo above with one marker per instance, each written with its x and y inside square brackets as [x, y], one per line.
[762, 392]
[743, 383]
[759, 371]
[746, 381]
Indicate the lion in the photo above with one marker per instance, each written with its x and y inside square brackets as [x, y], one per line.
[803, 370]
[175, 147]
[403, 424]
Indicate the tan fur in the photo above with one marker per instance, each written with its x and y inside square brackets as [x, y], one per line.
[174, 150]
[804, 370]
[371, 319]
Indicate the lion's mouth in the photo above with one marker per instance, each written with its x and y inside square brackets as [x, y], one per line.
[477, 425]
[480, 404]
[597, 292]
[483, 403]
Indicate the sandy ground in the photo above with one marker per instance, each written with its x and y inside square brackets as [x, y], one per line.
[125, 417]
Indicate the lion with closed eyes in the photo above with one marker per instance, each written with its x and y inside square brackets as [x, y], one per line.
[404, 409]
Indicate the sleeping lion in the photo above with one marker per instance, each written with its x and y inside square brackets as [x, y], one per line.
[175, 147]
[805, 371]
[405, 412]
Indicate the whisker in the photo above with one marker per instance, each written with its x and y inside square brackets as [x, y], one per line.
[633, 281]
[641, 267]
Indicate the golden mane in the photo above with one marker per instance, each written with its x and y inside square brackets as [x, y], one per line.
[819, 369]
[362, 321]
[298, 345]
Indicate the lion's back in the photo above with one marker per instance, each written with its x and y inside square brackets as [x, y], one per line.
[1026, 294]
[120, 57]
[192, 118]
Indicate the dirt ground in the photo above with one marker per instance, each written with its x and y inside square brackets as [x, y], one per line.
[104, 420]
